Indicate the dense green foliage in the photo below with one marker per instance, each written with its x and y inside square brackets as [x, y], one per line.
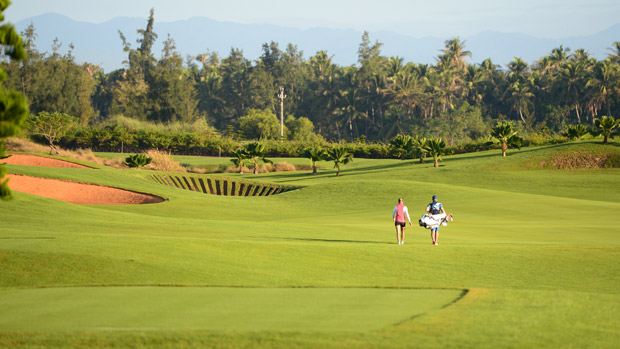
[137, 160]
[376, 99]
[13, 105]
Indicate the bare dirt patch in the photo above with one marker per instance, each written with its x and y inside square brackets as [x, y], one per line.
[583, 160]
[41, 161]
[79, 193]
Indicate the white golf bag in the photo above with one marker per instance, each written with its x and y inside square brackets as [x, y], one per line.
[434, 221]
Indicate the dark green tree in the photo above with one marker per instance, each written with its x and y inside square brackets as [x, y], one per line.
[137, 160]
[13, 104]
[401, 146]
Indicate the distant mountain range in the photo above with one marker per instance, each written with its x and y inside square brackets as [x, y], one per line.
[99, 43]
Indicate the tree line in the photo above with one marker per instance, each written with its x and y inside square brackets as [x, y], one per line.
[373, 100]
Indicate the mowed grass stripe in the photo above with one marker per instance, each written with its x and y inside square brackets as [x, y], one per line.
[215, 308]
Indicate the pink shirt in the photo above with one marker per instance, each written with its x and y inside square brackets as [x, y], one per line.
[400, 212]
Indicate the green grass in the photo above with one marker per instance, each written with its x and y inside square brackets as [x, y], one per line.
[215, 308]
[537, 248]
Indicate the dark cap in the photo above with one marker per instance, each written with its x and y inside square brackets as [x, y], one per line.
[434, 197]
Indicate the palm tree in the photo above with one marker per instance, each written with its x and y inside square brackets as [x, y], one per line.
[401, 146]
[256, 152]
[506, 135]
[604, 82]
[436, 147]
[575, 131]
[395, 65]
[615, 49]
[418, 145]
[518, 70]
[571, 77]
[455, 52]
[520, 98]
[607, 124]
[406, 88]
[315, 154]
[240, 155]
[339, 155]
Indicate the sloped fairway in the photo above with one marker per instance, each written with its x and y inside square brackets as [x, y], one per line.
[215, 308]
[537, 250]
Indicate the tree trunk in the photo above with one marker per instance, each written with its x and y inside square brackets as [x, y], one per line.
[337, 130]
[521, 115]
[504, 148]
[577, 110]
[314, 169]
[255, 166]
[436, 162]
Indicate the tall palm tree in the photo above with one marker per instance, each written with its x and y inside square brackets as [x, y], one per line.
[518, 70]
[615, 52]
[256, 152]
[455, 51]
[339, 155]
[475, 78]
[506, 135]
[606, 125]
[521, 98]
[406, 88]
[315, 154]
[558, 57]
[350, 100]
[571, 78]
[395, 65]
[436, 147]
[604, 82]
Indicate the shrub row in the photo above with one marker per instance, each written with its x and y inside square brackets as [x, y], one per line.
[182, 142]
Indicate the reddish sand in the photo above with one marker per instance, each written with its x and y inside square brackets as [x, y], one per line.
[78, 193]
[33, 160]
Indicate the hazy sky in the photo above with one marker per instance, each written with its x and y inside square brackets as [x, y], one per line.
[541, 18]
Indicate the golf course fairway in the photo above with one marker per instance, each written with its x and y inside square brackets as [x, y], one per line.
[531, 259]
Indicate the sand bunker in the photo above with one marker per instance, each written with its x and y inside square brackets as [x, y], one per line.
[33, 160]
[78, 193]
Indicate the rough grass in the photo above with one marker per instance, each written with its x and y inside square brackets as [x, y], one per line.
[21, 145]
[163, 161]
